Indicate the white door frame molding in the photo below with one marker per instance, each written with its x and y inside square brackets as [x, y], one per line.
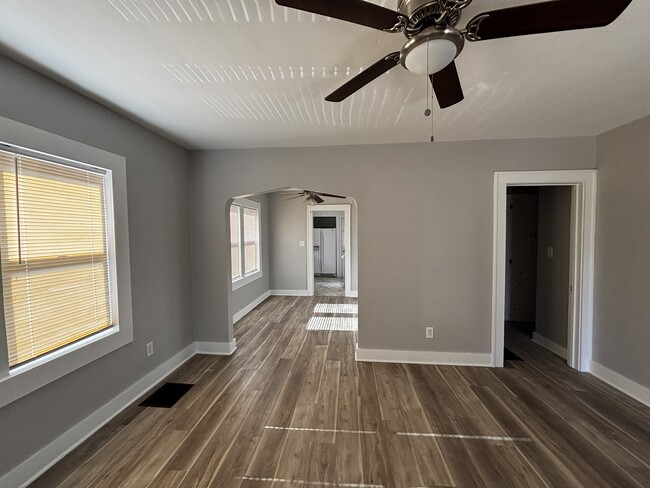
[346, 238]
[581, 276]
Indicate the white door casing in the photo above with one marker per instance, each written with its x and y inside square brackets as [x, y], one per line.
[345, 208]
[581, 277]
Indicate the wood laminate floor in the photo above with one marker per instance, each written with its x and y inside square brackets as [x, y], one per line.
[329, 286]
[292, 408]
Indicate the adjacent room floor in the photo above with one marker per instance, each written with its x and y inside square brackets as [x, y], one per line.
[329, 286]
[292, 408]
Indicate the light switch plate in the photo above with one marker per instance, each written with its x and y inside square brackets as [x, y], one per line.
[549, 252]
[301, 243]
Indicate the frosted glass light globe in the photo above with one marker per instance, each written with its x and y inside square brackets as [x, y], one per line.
[441, 53]
[431, 50]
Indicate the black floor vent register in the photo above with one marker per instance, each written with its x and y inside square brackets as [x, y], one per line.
[508, 355]
[167, 395]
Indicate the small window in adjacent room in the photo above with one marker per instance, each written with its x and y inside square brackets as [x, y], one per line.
[235, 232]
[245, 242]
[251, 240]
[55, 254]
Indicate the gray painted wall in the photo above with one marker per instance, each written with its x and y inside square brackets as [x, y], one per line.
[157, 180]
[622, 290]
[241, 297]
[554, 230]
[425, 229]
[288, 225]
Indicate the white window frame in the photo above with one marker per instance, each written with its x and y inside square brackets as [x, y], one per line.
[245, 279]
[23, 379]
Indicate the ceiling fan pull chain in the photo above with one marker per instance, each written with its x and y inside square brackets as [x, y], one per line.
[432, 106]
[427, 112]
[432, 138]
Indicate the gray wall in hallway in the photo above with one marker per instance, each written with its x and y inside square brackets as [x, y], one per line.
[288, 221]
[554, 230]
[622, 306]
[435, 263]
[241, 297]
[288, 226]
[158, 203]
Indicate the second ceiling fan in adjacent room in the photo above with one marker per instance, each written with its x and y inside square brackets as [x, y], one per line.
[310, 196]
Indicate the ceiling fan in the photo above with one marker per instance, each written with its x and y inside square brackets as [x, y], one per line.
[311, 196]
[434, 41]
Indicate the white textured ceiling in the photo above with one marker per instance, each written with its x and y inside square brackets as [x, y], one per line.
[247, 73]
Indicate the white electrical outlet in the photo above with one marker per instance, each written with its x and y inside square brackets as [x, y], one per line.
[429, 333]
[301, 243]
[149, 348]
[549, 252]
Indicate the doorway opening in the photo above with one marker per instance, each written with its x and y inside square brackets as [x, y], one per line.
[271, 258]
[582, 184]
[329, 253]
[538, 234]
[328, 259]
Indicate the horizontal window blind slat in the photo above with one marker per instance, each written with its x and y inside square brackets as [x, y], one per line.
[44, 338]
[49, 336]
[38, 267]
[44, 349]
[60, 309]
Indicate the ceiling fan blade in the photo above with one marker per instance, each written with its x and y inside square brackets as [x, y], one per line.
[537, 18]
[363, 78]
[293, 198]
[355, 11]
[317, 199]
[447, 86]
[330, 195]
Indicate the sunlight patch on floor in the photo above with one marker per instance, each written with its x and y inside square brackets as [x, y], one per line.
[333, 323]
[350, 308]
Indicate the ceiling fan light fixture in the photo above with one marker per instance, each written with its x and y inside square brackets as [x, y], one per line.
[431, 50]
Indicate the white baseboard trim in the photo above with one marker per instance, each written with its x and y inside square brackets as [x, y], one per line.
[291, 293]
[424, 357]
[239, 315]
[554, 347]
[620, 382]
[34, 466]
[354, 294]
[216, 348]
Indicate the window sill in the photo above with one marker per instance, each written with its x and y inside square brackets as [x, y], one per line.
[24, 379]
[240, 282]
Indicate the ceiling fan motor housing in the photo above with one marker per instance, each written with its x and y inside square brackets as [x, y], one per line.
[427, 13]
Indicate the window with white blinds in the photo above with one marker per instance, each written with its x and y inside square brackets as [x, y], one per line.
[54, 247]
[245, 241]
[235, 251]
[251, 240]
